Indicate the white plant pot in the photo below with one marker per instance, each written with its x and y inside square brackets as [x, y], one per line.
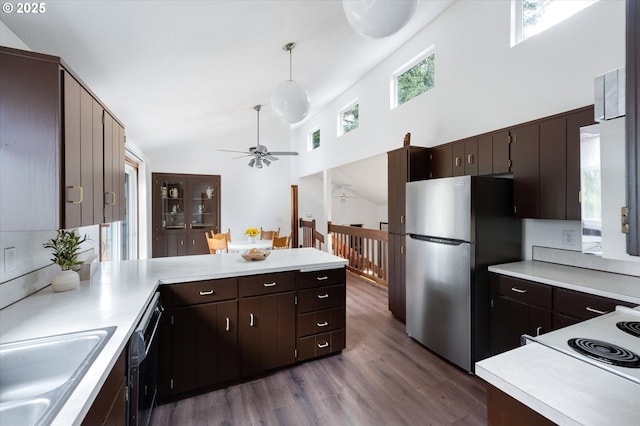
[65, 281]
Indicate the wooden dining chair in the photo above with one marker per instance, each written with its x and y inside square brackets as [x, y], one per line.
[268, 235]
[278, 243]
[228, 234]
[217, 243]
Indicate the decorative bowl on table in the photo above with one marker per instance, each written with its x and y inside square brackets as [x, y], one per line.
[255, 254]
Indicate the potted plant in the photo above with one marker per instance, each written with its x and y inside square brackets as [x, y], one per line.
[65, 247]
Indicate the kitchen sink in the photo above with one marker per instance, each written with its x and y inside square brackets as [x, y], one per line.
[38, 375]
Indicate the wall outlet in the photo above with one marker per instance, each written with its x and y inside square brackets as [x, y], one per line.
[10, 262]
[569, 237]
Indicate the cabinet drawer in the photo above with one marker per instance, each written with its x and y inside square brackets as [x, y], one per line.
[321, 321]
[321, 278]
[316, 299]
[523, 291]
[197, 292]
[258, 285]
[321, 344]
[583, 306]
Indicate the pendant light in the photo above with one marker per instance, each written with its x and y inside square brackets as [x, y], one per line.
[289, 99]
[378, 18]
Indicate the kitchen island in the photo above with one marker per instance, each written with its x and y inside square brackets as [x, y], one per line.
[117, 296]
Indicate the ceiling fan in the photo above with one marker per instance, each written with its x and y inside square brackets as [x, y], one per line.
[261, 155]
[343, 195]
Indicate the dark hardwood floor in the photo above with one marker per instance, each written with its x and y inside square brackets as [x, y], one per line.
[381, 378]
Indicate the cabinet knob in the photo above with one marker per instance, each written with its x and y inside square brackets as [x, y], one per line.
[458, 161]
[251, 320]
[69, 188]
[470, 159]
[228, 325]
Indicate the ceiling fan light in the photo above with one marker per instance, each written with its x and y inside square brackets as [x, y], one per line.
[258, 163]
[378, 18]
[290, 101]
[266, 162]
[252, 162]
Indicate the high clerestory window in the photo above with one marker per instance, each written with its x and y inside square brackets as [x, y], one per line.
[313, 141]
[414, 78]
[348, 118]
[530, 17]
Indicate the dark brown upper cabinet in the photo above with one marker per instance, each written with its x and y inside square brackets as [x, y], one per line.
[465, 157]
[54, 121]
[524, 166]
[501, 155]
[442, 161]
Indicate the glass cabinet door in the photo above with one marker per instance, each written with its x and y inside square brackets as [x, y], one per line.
[172, 195]
[204, 204]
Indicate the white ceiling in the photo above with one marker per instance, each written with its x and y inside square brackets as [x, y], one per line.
[188, 71]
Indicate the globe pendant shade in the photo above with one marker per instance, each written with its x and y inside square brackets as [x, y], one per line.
[290, 101]
[378, 18]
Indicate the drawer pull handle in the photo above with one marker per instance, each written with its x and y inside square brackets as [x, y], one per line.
[270, 284]
[323, 296]
[322, 324]
[518, 290]
[228, 325]
[538, 331]
[251, 320]
[322, 278]
[323, 345]
[206, 292]
[596, 311]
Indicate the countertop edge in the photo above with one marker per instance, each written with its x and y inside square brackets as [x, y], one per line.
[543, 272]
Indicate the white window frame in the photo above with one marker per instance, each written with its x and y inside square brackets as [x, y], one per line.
[517, 24]
[393, 81]
[345, 109]
[310, 139]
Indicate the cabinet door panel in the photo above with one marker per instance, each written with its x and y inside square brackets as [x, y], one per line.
[206, 344]
[228, 354]
[458, 161]
[540, 321]
[249, 323]
[441, 161]
[471, 157]
[108, 193]
[553, 177]
[501, 155]
[183, 338]
[395, 186]
[97, 161]
[73, 190]
[86, 156]
[485, 155]
[524, 156]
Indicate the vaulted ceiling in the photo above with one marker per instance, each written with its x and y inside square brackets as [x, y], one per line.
[190, 71]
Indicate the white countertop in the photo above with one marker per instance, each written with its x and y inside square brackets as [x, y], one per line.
[606, 284]
[117, 296]
[565, 390]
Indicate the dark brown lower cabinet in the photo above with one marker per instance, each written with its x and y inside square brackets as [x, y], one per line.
[267, 332]
[110, 406]
[525, 307]
[397, 276]
[217, 331]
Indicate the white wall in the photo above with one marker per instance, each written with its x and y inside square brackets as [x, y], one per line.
[250, 197]
[481, 84]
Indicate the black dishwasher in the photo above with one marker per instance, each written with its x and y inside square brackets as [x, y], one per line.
[143, 365]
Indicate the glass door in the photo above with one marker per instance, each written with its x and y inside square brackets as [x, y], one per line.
[204, 205]
[172, 195]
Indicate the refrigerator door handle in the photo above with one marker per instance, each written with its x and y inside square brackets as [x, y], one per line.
[437, 240]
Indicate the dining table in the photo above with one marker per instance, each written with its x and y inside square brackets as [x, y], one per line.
[245, 245]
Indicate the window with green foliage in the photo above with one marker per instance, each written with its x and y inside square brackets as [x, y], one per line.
[314, 140]
[348, 118]
[531, 17]
[416, 80]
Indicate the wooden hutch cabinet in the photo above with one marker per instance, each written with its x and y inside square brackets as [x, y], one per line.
[184, 208]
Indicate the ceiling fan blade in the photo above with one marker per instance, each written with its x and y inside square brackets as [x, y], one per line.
[230, 150]
[270, 157]
[283, 153]
[242, 156]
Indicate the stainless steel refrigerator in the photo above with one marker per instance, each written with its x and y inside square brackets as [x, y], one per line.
[456, 227]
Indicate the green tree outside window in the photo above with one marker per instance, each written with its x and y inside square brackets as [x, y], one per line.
[416, 80]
